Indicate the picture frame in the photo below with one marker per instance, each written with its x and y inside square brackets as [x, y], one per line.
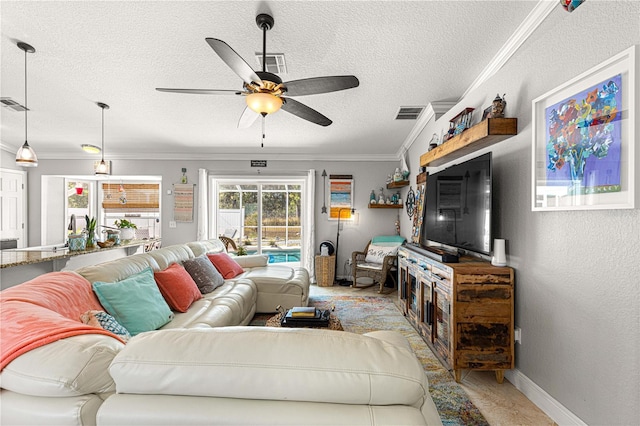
[486, 113]
[340, 196]
[583, 138]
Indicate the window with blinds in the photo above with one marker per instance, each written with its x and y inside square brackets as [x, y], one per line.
[142, 197]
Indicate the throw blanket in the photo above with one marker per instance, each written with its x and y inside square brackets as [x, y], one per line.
[43, 310]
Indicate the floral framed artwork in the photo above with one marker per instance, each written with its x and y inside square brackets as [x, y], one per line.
[583, 140]
[340, 196]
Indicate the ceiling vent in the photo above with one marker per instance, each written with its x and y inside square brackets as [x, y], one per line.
[275, 62]
[409, 113]
[12, 105]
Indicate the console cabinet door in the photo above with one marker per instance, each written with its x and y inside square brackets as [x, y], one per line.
[442, 323]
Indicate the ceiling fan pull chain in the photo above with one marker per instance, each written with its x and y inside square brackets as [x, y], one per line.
[262, 143]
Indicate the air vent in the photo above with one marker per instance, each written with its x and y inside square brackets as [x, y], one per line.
[11, 104]
[275, 62]
[409, 113]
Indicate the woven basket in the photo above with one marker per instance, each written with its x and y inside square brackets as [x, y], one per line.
[325, 270]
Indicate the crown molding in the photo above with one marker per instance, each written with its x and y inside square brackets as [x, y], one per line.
[533, 20]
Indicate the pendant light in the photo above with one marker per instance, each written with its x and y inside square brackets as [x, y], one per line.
[26, 156]
[102, 168]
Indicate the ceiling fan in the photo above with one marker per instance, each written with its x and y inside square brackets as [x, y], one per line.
[265, 92]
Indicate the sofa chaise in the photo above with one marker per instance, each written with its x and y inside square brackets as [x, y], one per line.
[205, 366]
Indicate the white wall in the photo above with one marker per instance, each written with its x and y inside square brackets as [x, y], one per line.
[367, 176]
[577, 285]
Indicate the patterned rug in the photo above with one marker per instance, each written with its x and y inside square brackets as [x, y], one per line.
[362, 314]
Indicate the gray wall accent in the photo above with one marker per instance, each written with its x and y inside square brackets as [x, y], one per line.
[367, 176]
[577, 272]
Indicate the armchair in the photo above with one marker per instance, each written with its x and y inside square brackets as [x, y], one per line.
[377, 261]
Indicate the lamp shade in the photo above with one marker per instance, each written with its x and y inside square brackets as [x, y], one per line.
[102, 168]
[26, 156]
[264, 103]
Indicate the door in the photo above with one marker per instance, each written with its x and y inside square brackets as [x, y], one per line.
[12, 213]
[442, 322]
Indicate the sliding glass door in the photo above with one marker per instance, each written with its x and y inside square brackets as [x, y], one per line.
[261, 217]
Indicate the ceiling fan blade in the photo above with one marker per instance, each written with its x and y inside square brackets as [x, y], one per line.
[234, 61]
[316, 85]
[247, 118]
[200, 91]
[301, 110]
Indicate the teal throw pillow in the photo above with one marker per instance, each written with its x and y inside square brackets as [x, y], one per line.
[135, 302]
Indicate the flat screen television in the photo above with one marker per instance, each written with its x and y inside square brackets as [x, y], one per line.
[457, 210]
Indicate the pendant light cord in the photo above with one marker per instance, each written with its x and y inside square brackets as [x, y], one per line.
[102, 134]
[26, 105]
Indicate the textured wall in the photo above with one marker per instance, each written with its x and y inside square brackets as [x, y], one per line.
[577, 292]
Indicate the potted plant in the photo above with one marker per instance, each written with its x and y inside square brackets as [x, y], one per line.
[91, 231]
[127, 229]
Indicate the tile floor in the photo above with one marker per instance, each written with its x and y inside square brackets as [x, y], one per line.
[501, 404]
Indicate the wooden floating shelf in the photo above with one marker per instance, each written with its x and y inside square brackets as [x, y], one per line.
[421, 178]
[485, 133]
[399, 184]
[385, 206]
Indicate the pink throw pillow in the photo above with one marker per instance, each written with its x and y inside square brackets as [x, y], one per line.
[177, 287]
[227, 267]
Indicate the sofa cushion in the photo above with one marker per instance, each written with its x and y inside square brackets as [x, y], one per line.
[227, 267]
[106, 322]
[203, 273]
[177, 287]
[135, 302]
[360, 370]
[74, 366]
[252, 261]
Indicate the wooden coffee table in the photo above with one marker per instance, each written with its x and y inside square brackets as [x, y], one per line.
[334, 322]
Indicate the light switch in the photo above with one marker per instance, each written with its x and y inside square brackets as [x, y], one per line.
[172, 224]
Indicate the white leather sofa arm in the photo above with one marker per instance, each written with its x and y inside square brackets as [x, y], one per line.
[292, 365]
[252, 260]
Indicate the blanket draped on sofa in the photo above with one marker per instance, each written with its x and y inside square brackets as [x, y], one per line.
[44, 310]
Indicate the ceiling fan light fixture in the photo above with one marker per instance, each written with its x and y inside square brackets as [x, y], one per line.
[264, 103]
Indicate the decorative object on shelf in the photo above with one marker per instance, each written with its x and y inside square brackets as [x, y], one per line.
[411, 201]
[583, 139]
[26, 156]
[113, 235]
[324, 194]
[434, 141]
[404, 168]
[102, 168]
[461, 122]
[397, 176]
[571, 5]
[372, 197]
[389, 179]
[381, 199]
[184, 179]
[91, 231]
[497, 107]
[340, 195]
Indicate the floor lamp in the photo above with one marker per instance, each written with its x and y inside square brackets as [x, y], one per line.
[339, 282]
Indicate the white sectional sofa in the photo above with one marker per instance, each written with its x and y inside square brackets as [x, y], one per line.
[203, 367]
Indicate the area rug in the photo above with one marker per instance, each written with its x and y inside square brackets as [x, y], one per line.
[362, 314]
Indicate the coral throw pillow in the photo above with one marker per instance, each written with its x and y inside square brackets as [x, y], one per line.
[177, 287]
[227, 267]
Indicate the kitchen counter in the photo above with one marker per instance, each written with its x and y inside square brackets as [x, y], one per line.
[19, 265]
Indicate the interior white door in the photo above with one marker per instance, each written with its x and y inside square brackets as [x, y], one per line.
[12, 210]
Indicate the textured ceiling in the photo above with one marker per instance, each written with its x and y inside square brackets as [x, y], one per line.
[404, 53]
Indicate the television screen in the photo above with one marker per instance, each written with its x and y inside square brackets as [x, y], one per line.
[457, 209]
